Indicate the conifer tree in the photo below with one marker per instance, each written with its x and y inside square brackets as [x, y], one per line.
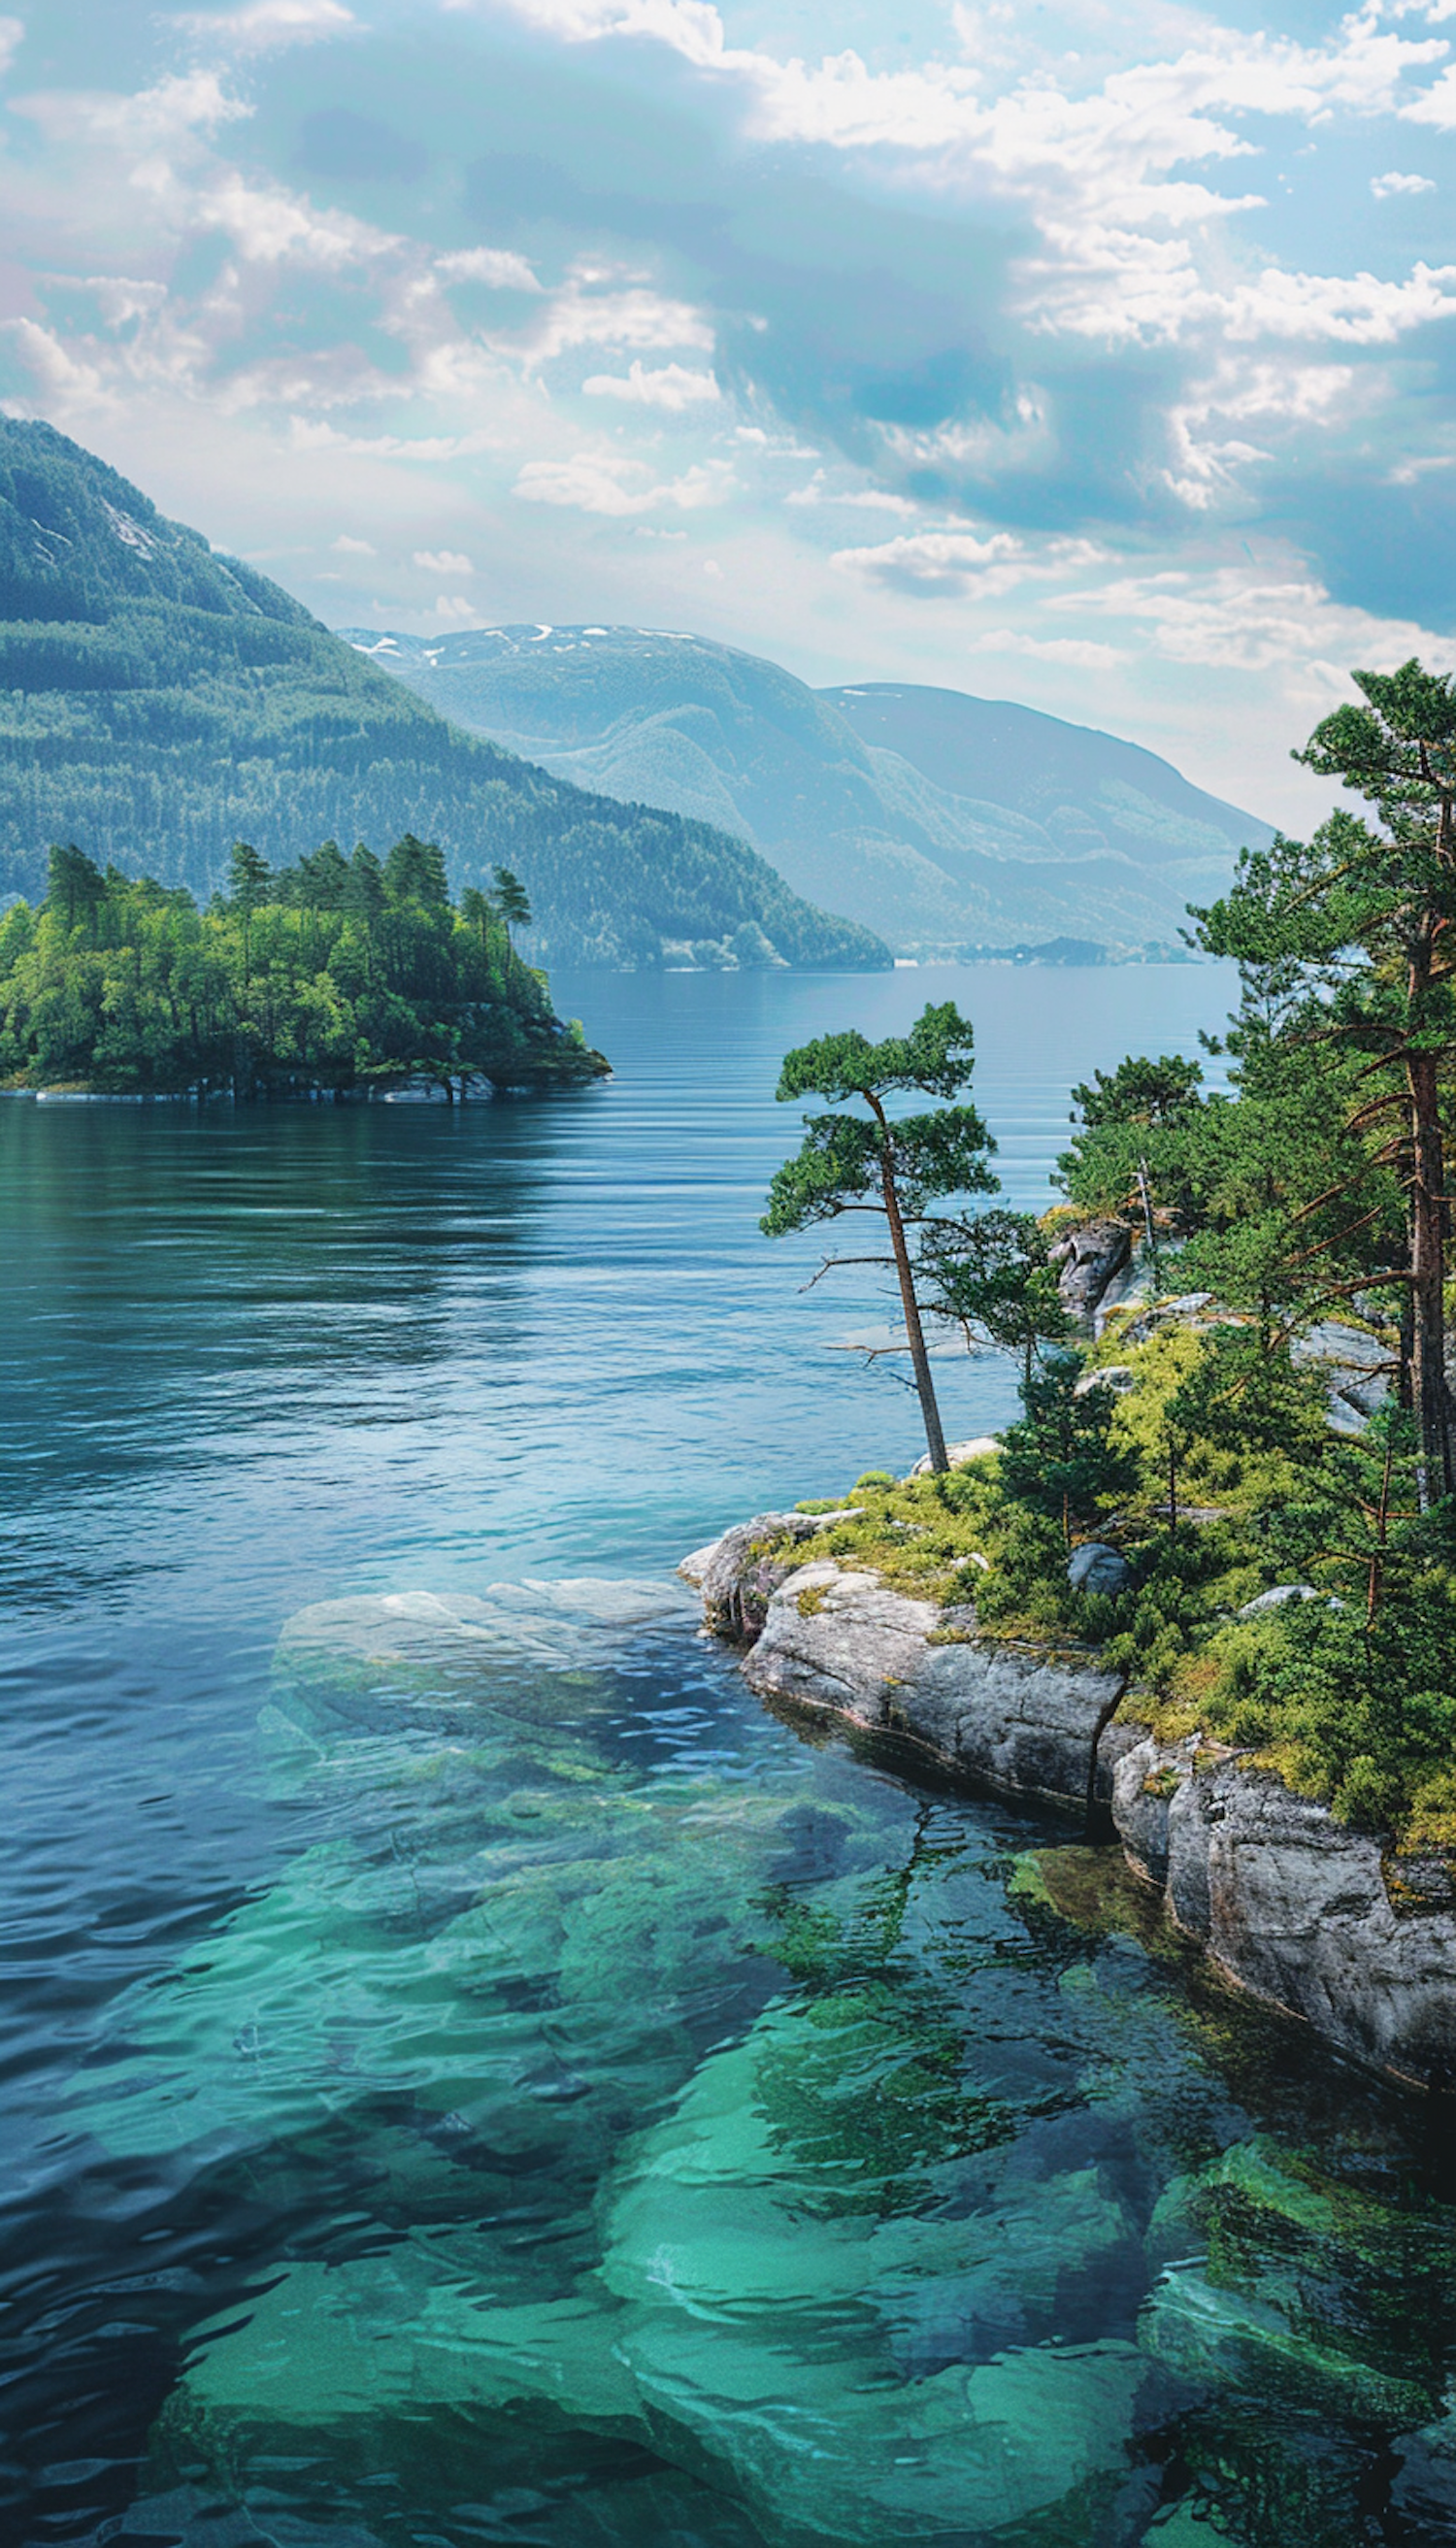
[851, 1162]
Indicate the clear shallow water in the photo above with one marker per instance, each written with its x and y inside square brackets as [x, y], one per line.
[469, 2075]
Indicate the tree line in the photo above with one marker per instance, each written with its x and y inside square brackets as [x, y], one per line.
[333, 973]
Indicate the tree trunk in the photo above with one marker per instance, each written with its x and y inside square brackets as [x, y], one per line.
[1435, 1470]
[920, 1360]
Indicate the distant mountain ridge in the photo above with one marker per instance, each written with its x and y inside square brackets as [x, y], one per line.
[944, 820]
[158, 703]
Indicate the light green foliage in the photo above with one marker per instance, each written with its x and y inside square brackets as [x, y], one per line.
[327, 974]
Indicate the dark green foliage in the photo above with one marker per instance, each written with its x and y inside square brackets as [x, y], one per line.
[160, 703]
[994, 1274]
[1062, 1460]
[1141, 1092]
[329, 974]
[1352, 932]
[895, 1169]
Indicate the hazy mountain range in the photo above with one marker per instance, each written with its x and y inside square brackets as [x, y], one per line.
[944, 822]
[158, 703]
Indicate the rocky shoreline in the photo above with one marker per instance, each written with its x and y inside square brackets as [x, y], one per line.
[1307, 1915]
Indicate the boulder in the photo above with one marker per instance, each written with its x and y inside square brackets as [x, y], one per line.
[1095, 1568]
[1279, 1593]
[1119, 1377]
[1086, 1261]
[735, 1575]
[961, 1455]
[1014, 1718]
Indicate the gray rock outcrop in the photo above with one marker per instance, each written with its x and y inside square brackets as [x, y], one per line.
[736, 1578]
[1296, 1909]
[1087, 1260]
[961, 1455]
[1015, 1718]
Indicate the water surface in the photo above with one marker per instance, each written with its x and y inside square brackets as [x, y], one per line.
[470, 2074]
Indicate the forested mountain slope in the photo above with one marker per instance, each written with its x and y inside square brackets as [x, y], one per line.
[944, 820]
[158, 703]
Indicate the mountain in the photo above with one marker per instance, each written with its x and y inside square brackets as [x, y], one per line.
[158, 703]
[943, 821]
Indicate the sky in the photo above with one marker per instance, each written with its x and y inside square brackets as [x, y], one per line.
[1096, 356]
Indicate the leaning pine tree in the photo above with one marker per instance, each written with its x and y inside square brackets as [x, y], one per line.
[866, 1162]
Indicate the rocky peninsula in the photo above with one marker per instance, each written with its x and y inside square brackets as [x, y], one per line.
[1339, 1927]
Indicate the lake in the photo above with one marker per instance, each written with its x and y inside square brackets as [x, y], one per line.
[470, 2074]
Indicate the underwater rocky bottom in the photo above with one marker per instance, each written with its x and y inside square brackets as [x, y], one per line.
[707, 2134]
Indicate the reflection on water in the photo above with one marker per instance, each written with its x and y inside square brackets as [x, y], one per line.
[470, 2073]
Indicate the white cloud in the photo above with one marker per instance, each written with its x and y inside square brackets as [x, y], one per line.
[500, 267]
[175, 110]
[1086, 653]
[270, 226]
[1395, 183]
[601, 483]
[346, 546]
[869, 498]
[454, 607]
[11, 37]
[444, 562]
[264, 25]
[637, 319]
[954, 561]
[1436, 105]
[1247, 620]
[672, 386]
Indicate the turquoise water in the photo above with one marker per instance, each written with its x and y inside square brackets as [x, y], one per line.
[470, 2074]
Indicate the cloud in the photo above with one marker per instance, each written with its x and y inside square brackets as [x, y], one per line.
[1436, 106]
[601, 483]
[637, 319]
[175, 109]
[1247, 620]
[956, 562]
[271, 227]
[263, 26]
[11, 37]
[671, 386]
[1086, 653]
[500, 267]
[454, 607]
[1395, 183]
[346, 546]
[444, 562]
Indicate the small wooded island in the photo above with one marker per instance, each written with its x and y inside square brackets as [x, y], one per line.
[341, 977]
[1204, 1591]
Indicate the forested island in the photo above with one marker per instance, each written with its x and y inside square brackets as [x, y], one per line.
[341, 977]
